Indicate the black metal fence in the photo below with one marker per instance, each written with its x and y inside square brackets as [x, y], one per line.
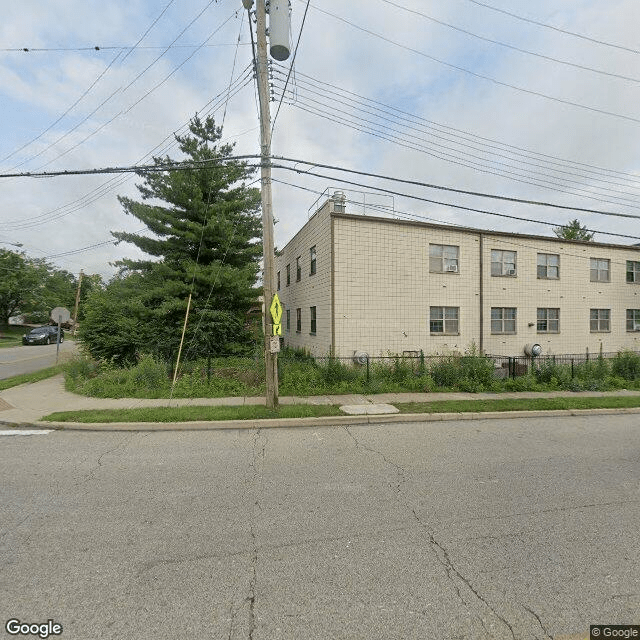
[417, 363]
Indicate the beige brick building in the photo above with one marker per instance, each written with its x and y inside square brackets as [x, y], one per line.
[378, 285]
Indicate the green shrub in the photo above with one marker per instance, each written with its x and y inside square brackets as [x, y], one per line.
[626, 365]
[445, 372]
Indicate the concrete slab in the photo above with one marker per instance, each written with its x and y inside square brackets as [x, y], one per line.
[368, 409]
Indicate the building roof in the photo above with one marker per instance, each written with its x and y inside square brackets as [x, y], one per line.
[475, 230]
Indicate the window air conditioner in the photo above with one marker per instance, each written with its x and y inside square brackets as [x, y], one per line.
[636, 326]
[511, 272]
[453, 268]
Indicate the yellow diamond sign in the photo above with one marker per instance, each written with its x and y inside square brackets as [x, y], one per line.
[276, 315]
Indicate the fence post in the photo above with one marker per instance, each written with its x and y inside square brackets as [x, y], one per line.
[572, 368]
[367, 369]
[511, 368]
[587, 354]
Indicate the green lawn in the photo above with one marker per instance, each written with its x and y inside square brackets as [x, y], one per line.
[525, 404]
[11, 336]
[186, 414]
[7, 383]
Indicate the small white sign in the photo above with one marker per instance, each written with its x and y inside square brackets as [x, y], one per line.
[274, 344]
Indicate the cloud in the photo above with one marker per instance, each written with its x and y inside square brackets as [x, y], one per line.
[474, 116]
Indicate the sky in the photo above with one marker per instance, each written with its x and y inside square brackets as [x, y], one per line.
[535, 101]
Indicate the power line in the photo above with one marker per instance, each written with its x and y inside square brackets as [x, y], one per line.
[452, 205]
[116, 92]
[467, 192]
[148, 93]
[510, 46]
[95, 82]
[407, 215]
[196, 165]
[120, 47]
[501, 83]
[457, 156]
[293, 59]
[553, 28]
[416, 146]
[465, 135]
[46, 217]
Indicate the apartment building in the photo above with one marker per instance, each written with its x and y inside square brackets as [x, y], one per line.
[358, 283]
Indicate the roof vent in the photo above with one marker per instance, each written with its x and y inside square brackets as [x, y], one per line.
[339, 201]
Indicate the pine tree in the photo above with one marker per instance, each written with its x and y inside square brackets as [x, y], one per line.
[574, 231]
[206, 227]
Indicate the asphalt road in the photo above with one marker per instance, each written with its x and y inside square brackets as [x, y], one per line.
[15, 361]
[501, 529]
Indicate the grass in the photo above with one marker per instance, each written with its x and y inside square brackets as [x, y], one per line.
[11, 336]
[515, 404]
[24, 378]
[191, 413]
[188, 414]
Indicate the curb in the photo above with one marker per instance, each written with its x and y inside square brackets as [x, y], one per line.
[323, 421]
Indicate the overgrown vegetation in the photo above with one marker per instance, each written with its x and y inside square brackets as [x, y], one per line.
[302, 375]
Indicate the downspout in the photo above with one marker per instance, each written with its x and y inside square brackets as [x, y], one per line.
[481, 296]
[333, 291]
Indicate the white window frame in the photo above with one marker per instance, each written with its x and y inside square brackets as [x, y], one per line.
[633, 269]
[633, 320]
[444, 258]
[551, 323]
[503, 316]
[543, 262]
[505, 265]
[600, 320]
[600, 270]
[450, 326]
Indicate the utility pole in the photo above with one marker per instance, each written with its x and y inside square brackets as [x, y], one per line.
[75, 309]
[270, 353]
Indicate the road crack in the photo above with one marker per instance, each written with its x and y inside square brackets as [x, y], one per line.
[441, 554]
[537, 617]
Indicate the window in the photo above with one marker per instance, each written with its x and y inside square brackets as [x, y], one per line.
[633, 319]
[599, 270]
[503, 319]
[633, 271]
[298, 320]
[278, 281]
[298, 269]
[600, 320]
[548, 320]
[548, 266]
[503, 263]
[288, 275]
[443, 258]
[444, 320]
[312, 256]
[312, 312]
[288, 320]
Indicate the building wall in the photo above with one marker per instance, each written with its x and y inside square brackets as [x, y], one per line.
[384, 290]
[311, 290]
[573, 293]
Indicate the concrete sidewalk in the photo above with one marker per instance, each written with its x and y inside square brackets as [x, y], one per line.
[27, 404]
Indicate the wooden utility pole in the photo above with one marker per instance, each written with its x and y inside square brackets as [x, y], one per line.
[271, 342]
[75, 309]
